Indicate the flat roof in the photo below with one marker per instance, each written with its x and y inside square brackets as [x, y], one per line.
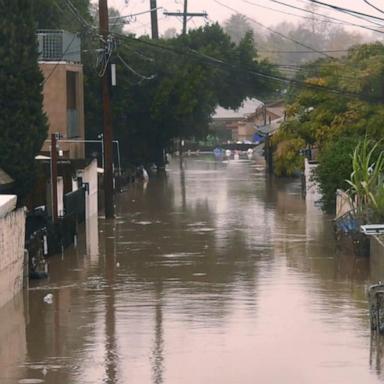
[248, 107]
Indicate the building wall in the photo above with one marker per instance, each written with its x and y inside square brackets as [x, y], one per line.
[89, 175]
[12, 232]
[245, 132]
[312, 191]
[55, 104]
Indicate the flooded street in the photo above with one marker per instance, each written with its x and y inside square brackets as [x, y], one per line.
[214, 274]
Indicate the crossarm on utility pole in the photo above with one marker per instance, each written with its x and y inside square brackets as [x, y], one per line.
[185, 15]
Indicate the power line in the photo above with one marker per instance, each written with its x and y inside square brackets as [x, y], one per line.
[346, 10]
[373, 6]
[142, 77]
[329, 18]
[228, 66]
[290, 13]
[274, 31]
[75, 12]
[135, 14]
[301, 52]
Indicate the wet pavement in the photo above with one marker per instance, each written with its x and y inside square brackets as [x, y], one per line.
[214, 274]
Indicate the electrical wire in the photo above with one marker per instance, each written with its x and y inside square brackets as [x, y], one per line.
[135, 14]
[139, 75]
[346, 10]
[274, 31]
[373, 6]
[302, 52]
[231, 67]
[327, 18]
[75, 12]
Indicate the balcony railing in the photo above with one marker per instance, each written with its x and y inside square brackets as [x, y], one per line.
[58, 45]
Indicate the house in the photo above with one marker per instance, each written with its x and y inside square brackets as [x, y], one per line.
[243, 124]
[63, 90]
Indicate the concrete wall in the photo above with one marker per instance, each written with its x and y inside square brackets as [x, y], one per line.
[55, 103]
[312, 191]
[89, 175]
[12, 233]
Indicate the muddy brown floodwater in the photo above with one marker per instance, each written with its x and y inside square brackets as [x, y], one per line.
[216, 274]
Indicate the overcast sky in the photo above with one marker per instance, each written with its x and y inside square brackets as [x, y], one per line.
[217, 12]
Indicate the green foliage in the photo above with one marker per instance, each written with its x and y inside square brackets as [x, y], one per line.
[335, 167]
[286, 158]
[188, 86]
[55, 14]
[366, 184]
[324, 118]
[23, 126]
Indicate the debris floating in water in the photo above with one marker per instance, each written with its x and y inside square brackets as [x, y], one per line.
[48, 298]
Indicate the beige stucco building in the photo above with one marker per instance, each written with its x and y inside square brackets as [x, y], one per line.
[63, 90]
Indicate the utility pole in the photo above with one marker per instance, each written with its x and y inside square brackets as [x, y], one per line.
[107, 115]
[154, 22]
[185, 15]
[54, 177]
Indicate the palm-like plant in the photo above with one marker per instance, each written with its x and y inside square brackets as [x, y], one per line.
[366, 184]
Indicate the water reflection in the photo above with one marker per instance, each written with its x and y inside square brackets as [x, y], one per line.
[376, 358]
[12, 340]
[214, 273]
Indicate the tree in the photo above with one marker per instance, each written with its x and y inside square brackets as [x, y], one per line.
[170, 33]
[237, 26]
[189, 84]
[335, 167]
[55, 14]
[23, 125]
[338, 99]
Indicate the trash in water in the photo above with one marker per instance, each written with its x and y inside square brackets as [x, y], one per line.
[48, 298]
[117, 265]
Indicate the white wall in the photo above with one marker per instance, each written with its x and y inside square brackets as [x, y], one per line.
[12, 232]
[89, 175]
[312, 189]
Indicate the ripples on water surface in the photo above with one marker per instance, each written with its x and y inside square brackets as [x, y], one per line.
[215, 274]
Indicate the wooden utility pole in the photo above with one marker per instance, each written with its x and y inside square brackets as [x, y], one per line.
[107, 115]
[54, 177]
[154, 21]
[185, 15]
